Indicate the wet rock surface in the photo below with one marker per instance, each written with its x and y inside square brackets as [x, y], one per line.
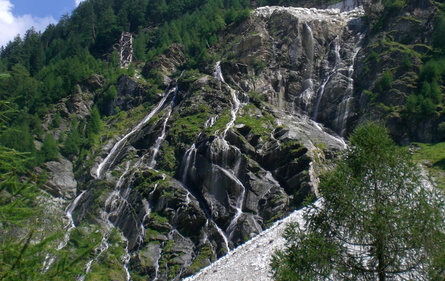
[229, 150]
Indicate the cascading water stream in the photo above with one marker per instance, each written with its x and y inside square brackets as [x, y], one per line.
[308, 46]
[231, 174]
[239, 202]
[189, 157]
[161, 138]
[49, 260]
[118, 146]
[117, 199]
[328, 77]
[344, 107]
[147, 211]
[115, 202]
[71, 225]
[211, 121]
[187, 164]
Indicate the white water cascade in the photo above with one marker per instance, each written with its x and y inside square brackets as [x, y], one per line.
[187, 164]
[232, 174]
[308, 83]
[211, 121]
[344, 106]
[239, 202]
[115, 202]
[118, 147]
[69, 216]
[49, 260]
[161, 138]
[334, 70]
[253, 257]
[189, 156]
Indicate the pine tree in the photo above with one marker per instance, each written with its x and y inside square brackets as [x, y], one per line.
[94, 125]
[49, 150]
[376, 220]
[73, 140]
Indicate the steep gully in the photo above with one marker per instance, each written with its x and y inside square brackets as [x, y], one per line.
[117, 199]
[253, 257]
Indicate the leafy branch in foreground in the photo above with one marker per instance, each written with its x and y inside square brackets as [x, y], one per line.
[378, 219]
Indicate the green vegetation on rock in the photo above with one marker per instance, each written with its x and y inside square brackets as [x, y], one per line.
[432, 156]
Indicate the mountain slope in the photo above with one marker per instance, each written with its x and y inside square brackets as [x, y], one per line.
[217, 128]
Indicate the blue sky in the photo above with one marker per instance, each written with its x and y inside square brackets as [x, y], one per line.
[17, 16]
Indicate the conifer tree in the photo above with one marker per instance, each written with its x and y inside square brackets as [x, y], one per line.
[49, 150]
[377, 220]
[94, 126]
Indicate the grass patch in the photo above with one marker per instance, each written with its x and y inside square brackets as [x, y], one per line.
[187, 127]
[432, 156]
[221, 122]
[260, 124]
[203, 259]
[123, 122]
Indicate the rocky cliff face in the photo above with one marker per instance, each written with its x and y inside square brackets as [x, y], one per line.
[193, 167]
[223, 153]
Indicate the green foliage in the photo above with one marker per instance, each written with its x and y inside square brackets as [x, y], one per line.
[203, 258]
[433, 157]
[57, 120]
[394, 5]
[19, 137]
[260, 123]
[424, 103]
[439, 31]
[441, 130]
[385, 83]
[49, 150]
[94, 126]
[374, 208]
[73, 141]
[187, 126]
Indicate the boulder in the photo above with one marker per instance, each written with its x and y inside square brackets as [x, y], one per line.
[61, 181]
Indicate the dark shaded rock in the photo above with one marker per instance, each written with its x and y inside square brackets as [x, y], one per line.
[94, 82]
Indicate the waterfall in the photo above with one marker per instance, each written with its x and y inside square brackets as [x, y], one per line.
[115, 203]
[232, 173]
[161, 138]
[70, 226]
[188, 163]
[308, 83]
[239, 202]
[189, 157]
[329, 75]
[147, 211]
[49, 260]
[223, 235]
[236, 102]
[344, 106]
[119, 146]
[211, 121]
[126, 260]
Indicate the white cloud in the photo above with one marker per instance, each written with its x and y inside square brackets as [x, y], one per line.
[78, 2]
[11, 25]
